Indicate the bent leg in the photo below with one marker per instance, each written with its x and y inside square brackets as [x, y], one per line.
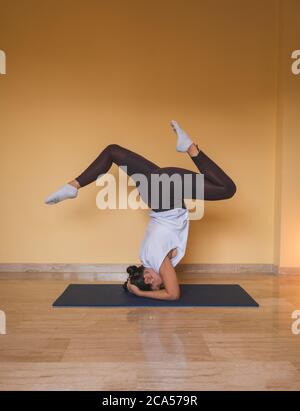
[217, 184]
[118, 155]
[134, 163]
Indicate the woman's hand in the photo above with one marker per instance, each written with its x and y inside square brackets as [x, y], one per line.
[133, 289]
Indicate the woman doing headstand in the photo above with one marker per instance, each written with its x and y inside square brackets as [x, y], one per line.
[166, 236]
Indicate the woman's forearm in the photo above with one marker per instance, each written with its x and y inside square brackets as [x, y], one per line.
[158, 294]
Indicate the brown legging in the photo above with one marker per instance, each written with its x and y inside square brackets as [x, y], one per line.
[217, 184]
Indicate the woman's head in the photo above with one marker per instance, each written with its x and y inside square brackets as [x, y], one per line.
[144, 278]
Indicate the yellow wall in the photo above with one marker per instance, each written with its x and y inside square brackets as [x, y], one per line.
[287, 239]
[83, 74]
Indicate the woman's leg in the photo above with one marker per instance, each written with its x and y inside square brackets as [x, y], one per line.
[113, 153]
[118, 155]
[217, 184]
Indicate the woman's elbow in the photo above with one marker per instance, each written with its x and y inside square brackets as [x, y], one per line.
[174, 296]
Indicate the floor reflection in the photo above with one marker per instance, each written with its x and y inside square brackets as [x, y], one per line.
[161, 339]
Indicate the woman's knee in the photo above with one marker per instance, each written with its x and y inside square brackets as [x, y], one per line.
[115, 151]
[113, 147]
[230, 190]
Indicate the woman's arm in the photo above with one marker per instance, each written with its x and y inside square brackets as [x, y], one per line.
[171, 290]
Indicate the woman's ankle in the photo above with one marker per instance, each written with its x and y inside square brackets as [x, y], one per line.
[75, 184]
[193, 150]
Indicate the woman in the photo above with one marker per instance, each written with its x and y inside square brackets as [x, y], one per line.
[167, 232]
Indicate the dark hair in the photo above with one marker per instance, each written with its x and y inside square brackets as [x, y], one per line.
[136, 277]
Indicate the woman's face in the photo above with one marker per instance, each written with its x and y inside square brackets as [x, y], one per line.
[152, 278]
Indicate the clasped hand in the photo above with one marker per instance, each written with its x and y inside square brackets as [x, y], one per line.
[133, 289]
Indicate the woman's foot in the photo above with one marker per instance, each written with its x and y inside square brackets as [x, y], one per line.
[63, 193]
[183, 141]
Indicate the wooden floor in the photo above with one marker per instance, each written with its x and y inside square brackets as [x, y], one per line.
[150, 348]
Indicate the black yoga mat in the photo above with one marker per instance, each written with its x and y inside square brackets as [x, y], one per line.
[192, 295]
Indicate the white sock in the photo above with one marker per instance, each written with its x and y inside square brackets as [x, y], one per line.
[183, 141]
[65, 192]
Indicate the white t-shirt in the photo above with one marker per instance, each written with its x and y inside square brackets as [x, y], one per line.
[166, 230]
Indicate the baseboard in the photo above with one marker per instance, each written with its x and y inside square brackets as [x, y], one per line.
[113, 269]
[62, 268]
[289, 270]
[228, 268]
